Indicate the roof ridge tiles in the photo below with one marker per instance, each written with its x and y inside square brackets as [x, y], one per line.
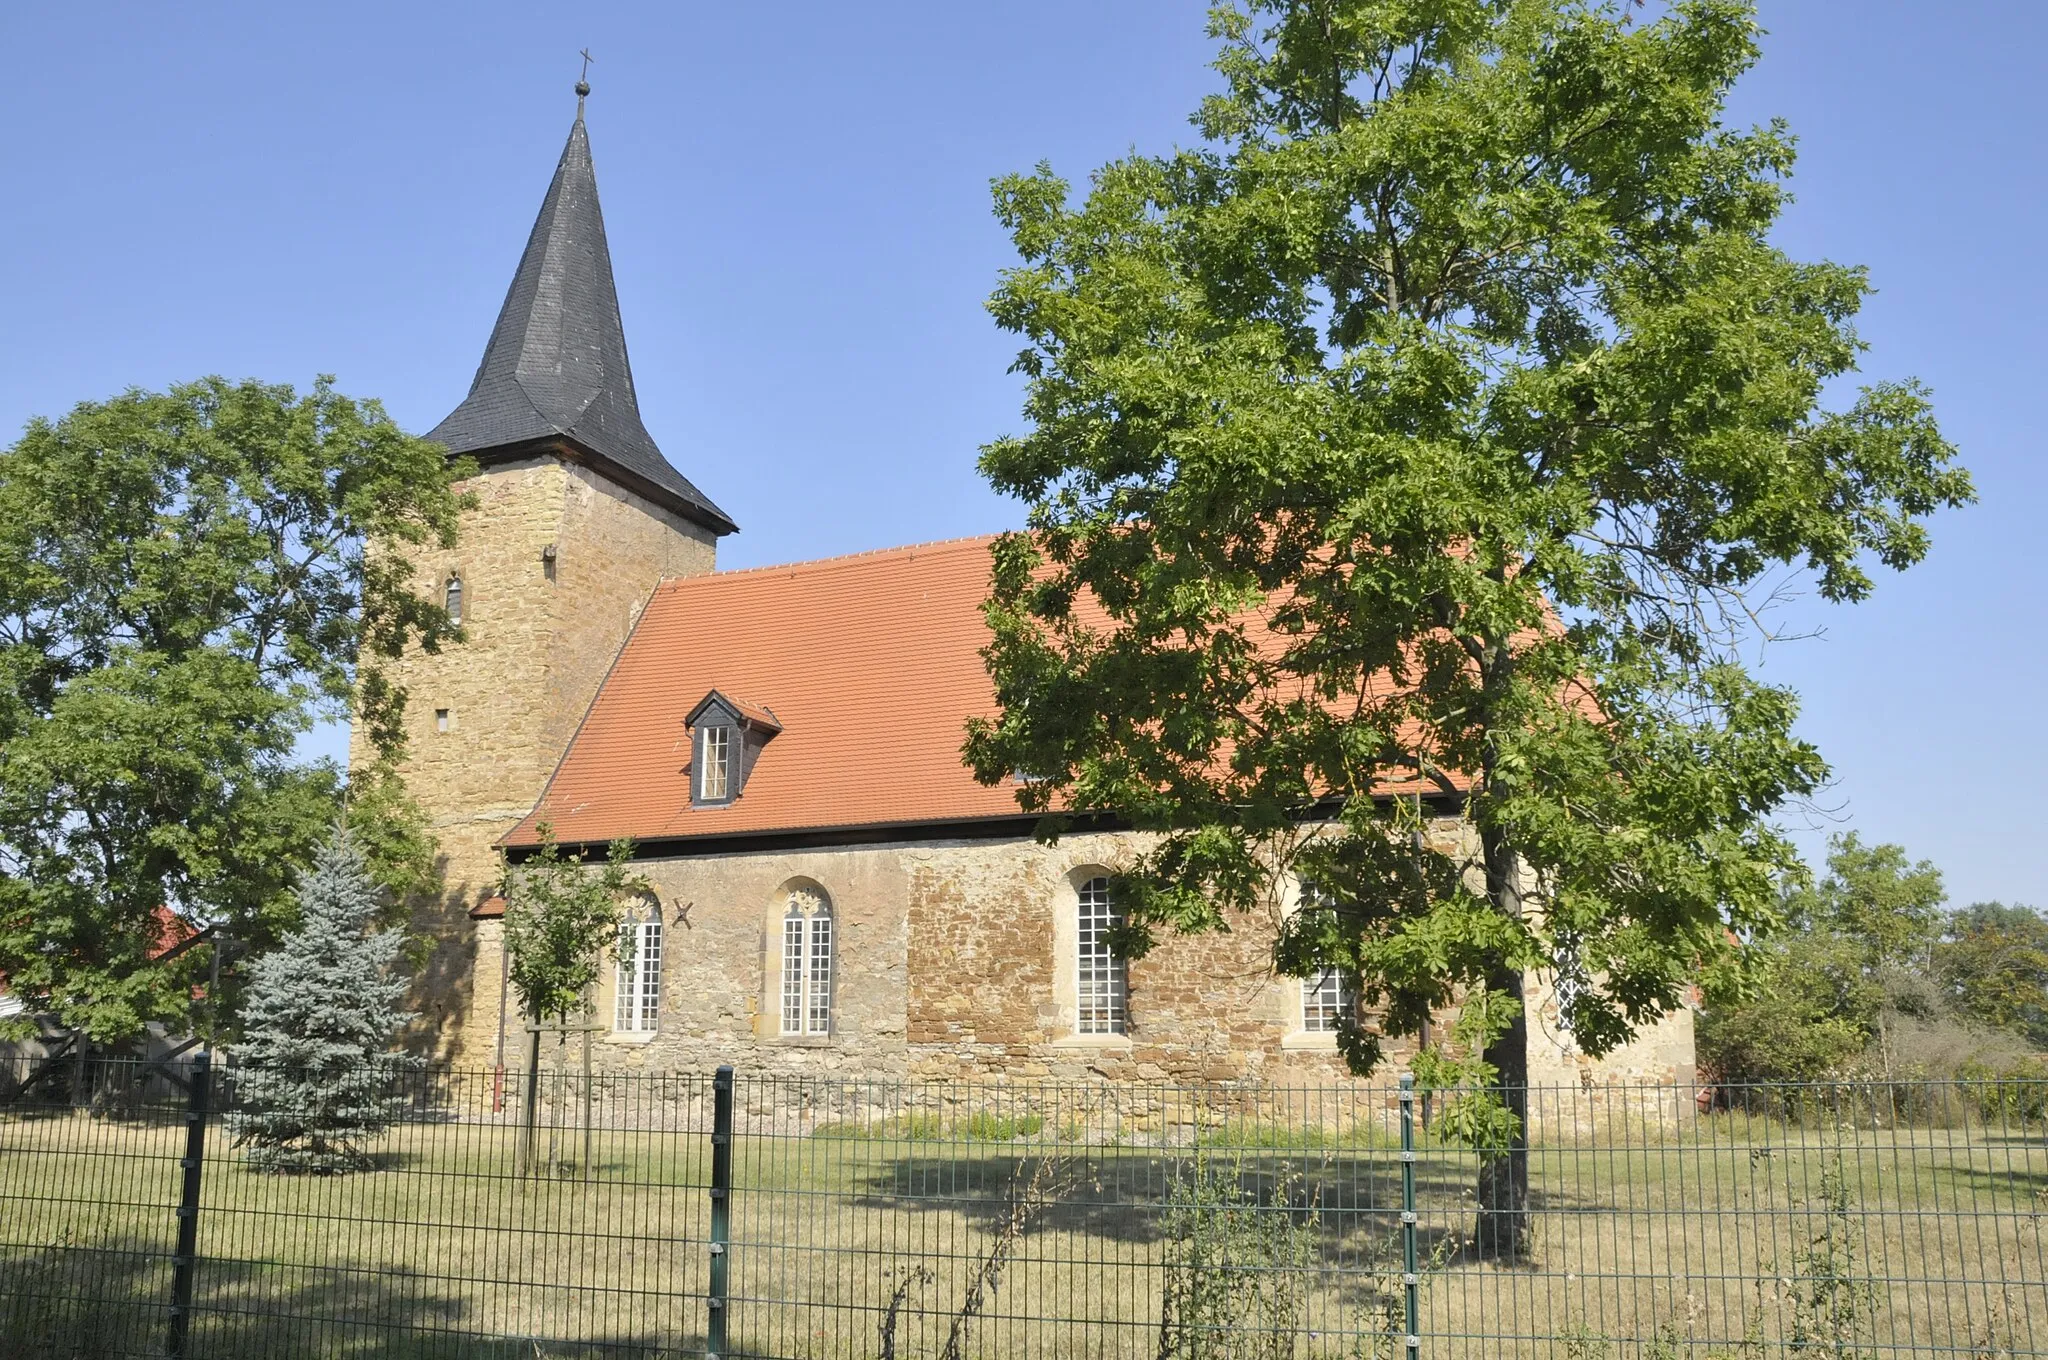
[827, 563]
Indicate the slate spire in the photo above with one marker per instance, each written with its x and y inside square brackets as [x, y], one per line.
[555, 369]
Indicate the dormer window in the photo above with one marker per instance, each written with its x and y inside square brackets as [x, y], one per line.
[726, 737]
[714, 764]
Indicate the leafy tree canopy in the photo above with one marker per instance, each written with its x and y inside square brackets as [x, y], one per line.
[1992, 964]
[1887, 906]
[1852, 958]
[560, 917]
[185, 590]
[1444, 421]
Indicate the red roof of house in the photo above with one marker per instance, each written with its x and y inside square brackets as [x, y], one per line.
[871, 664]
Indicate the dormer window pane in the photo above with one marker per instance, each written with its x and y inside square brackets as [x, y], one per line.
[716, 758]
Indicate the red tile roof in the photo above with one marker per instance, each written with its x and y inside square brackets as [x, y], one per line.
[871, 664]
[754, 715]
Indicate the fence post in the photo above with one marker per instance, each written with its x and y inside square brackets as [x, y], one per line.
[1411, 1280]
[721, 1209]
[193, 1163]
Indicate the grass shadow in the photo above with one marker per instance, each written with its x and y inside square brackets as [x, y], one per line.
[112, 1298]
[1120, 1197]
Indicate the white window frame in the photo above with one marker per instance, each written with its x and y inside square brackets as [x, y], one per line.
[636, 1008]
[1329, 994]
[714, 738]
[1101, 979]
[808, 962]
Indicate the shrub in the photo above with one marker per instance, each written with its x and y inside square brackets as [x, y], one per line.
[1235, 1267]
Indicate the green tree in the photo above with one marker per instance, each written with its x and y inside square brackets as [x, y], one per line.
[315, 1070]
[185, 589]
[1878, 915]
[1992, 966]
[1440, 423]
[1889, 906]
[1800, 1022]
[1850, 960]
[560, 917]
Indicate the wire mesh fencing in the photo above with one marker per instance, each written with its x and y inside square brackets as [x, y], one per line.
[761, 1215]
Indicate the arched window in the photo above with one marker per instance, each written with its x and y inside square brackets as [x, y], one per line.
[453, 601]
[639, 985]
[1101, 984]
[807, 964]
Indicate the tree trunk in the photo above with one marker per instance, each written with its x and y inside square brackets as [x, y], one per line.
[561, 1101]
[1502, 1229]
[529, 1128]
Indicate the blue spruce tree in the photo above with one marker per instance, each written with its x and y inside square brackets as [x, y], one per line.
[315, 1070]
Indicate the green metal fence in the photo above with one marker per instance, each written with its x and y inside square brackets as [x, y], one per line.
[794, 1216]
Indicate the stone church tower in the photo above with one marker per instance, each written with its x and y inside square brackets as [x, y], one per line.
[579, 517]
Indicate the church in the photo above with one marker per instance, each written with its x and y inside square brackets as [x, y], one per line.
[831, 891]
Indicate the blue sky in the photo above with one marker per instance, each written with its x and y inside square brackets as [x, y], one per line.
[797, 198]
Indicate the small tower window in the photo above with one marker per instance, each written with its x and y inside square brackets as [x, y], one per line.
[547, 561]
[714, 763]
[453, 601]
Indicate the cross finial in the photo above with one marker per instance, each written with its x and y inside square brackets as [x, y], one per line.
[583, 81]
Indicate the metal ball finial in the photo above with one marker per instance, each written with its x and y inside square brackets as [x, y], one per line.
[582, 88]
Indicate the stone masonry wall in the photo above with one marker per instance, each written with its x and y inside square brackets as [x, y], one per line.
[614, 549]
[514, 691]
[953, 962]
